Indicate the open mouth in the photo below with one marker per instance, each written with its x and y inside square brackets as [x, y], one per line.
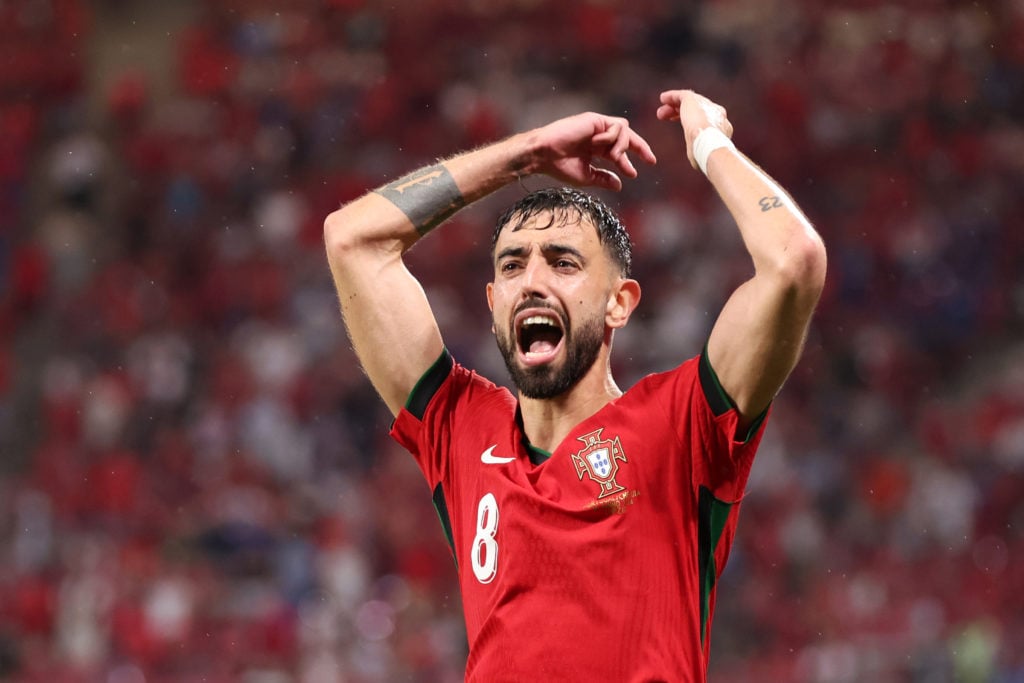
[539, 335]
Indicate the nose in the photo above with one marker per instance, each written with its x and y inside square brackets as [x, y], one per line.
[534, 280]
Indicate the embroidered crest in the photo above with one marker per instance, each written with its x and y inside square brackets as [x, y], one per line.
[600, 460]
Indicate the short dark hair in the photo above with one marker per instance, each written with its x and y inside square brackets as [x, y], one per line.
[568, 201]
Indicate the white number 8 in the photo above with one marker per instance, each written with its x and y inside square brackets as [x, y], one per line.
[485, 548]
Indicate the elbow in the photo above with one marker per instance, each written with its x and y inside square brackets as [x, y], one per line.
[356, 233]
[803, 265]
[340, 238]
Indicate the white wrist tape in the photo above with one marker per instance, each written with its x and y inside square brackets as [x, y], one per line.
[706, 142]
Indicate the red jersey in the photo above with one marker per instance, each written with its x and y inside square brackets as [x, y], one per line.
[599, 561]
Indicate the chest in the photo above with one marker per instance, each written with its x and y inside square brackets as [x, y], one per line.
[611, 489]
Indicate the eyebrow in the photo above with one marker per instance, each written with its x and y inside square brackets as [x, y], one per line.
[547, 249]
[510, 251]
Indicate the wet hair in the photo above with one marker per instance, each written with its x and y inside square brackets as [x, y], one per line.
[566, 203]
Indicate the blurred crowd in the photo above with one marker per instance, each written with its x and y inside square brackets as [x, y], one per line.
[197, 482]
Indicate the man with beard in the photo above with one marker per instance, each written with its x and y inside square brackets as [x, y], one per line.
[589, 526]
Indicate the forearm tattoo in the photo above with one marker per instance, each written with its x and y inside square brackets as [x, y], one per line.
[769, 203]
[428, 197]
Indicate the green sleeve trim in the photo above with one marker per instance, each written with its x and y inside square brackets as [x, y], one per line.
[446, 521]
[536, 454]
[719, 399]
[712, 516]
[755, 426]
[428, 385]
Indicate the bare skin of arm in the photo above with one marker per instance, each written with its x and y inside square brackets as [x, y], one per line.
[759, 334]
[386, 312]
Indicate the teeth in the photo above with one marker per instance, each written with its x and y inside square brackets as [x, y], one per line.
[540, 320]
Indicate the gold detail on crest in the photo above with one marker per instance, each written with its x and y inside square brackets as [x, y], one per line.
[617, 504]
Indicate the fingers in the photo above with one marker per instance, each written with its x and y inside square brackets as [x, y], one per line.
[694, 112]
[609, 134]
[568, 146]
[674, 98]
[667, 112]
[642, 148]
[603, 178]
[618, 152]
[621, 139]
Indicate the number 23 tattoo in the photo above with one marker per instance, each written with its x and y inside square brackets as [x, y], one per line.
[769, 203]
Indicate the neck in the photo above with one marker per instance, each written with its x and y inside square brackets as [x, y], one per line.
[547, 421]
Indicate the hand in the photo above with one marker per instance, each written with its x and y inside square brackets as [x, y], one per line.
[695, 113]
[567, 148]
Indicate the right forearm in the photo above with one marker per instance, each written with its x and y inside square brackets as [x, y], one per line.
[390, 219]
[480, 172]
[396, 215]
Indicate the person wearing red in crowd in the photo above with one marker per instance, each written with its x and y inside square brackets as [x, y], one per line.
[589, 525]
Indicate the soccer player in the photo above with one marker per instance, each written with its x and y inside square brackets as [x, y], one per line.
[588, 525]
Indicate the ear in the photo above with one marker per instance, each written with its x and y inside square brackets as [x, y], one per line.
[622, 300]
[490, 302]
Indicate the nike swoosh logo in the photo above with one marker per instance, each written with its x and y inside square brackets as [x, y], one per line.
[488, 457]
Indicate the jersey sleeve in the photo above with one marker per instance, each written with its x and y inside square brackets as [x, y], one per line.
[709, 424]
[446, 395]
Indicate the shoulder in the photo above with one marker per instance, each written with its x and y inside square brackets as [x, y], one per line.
[449, 383]
[666, 382]
[693, 378]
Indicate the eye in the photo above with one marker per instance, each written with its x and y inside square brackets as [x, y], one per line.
[509, 266]
[565, 264]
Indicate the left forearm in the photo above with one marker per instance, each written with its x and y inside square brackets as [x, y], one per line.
[780, 239]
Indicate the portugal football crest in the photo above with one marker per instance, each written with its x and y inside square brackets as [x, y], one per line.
[600, 459]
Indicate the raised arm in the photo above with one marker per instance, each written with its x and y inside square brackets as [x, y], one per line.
[757, 339]
[389, 321]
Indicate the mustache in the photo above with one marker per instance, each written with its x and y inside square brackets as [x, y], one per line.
[534, 302]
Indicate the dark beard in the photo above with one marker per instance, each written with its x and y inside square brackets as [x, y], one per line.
[549, 381]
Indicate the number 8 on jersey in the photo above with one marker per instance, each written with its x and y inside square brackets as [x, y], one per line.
[485, 547]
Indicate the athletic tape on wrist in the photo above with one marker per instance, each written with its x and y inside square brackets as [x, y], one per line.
[706, 142]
